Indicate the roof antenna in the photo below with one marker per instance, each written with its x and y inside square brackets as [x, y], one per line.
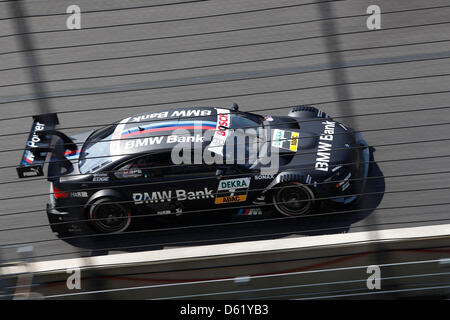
[235, 106]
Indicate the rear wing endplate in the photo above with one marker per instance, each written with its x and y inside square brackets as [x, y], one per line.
[37, 146]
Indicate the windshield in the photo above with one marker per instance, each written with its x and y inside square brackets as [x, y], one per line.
[246, 135]
[244, 121]
[95, 153]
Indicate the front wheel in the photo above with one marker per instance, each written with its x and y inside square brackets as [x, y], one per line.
[108, 215]
[294, 199]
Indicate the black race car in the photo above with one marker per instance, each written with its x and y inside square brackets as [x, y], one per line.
[197, 159]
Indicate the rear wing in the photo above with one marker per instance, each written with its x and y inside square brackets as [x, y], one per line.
[39, 144]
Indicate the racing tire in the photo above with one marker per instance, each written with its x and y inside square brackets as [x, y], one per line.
[306, 112]
[294, 199]
[108, 215]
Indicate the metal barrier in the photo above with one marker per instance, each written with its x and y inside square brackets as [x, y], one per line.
[328, 266]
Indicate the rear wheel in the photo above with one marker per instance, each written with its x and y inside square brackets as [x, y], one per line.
[294, 199]
[108, 215]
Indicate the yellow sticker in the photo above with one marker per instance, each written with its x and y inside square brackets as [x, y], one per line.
[230, 199]
[294, 141]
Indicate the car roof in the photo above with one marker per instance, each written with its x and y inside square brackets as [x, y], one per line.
[161, 130]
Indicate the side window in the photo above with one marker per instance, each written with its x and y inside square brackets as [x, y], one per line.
[149, 166]
[236, 169]
[128, 172]
[238, 122]
[192, 171]
[160, 165]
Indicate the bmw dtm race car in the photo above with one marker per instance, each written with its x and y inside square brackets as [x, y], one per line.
[197, 159]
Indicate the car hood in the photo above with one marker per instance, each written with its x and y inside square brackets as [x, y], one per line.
[312, 144]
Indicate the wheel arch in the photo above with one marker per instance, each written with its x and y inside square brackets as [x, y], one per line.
[288, 180]
[280, 179]
[102, 194]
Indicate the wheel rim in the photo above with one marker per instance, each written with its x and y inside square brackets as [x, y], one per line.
[294, 200]
[110, 218]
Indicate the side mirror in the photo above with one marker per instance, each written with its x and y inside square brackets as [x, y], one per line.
[235, 106]
[219, 173]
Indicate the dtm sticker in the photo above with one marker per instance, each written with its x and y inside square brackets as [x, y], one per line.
[176, 113]
[294, 141]
[140, 143]
[232, 190]
[264, 176]
[250, 212]
[32, 172]
[72, 155]
[162, 212]
[191, 113]
[277, 138]
[178, 211]
[100, 177]
[32, 143]
[324, 148]
[180, 139]
[221, 133]
[145, 142]
[155, 115]
[28, 157]
[79, 194]
[344, 184]
[167, 196]
[129, 174]
[285, 139]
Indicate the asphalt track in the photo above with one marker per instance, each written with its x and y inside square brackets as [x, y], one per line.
[372, 80]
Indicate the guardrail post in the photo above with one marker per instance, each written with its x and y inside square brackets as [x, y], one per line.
[445, 264]
[25, 280]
